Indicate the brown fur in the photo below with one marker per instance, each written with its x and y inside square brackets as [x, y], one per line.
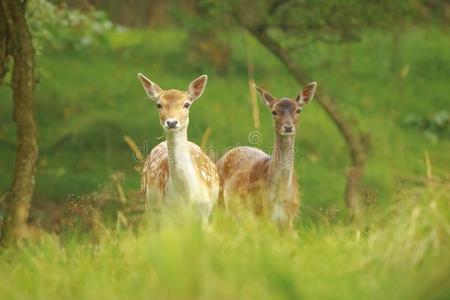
[172, 102]
[245, 175]
[177, 168]
[266, 183]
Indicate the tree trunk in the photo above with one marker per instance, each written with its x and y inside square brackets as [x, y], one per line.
[23, 83]
[3, 47]
[352, 139]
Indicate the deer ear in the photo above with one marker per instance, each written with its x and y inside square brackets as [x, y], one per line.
[307, 93]
[151, 88]
[265, 96]
[197, 87]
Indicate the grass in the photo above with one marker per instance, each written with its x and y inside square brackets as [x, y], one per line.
[88, 99]
[402, 254]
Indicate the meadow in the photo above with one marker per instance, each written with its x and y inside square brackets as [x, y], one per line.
[402, 254]
[89, 98]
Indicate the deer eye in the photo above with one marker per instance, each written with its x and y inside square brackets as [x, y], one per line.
[159, 106]
[186, 105]
[274, 113]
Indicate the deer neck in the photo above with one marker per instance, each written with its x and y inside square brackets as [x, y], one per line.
[182, 177]
[282, 167]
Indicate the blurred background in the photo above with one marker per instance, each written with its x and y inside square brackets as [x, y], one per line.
[381, 117]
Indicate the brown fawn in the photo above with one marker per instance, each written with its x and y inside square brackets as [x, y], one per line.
[177, 171]
[267, 183]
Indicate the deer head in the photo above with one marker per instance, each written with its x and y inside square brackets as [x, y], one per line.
[286, 111]
[173, 105]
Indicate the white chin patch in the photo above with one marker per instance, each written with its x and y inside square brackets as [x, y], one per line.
[172, 129]
[288, 133]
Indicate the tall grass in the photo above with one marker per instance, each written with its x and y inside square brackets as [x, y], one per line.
[88, 100]
[400, 255]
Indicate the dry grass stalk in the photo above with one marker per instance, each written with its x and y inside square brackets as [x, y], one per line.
[428, 165]
[205, 138]
[134, 147]
[255, 109]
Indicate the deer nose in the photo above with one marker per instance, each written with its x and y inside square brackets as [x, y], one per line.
[171, 123]
[288, 128]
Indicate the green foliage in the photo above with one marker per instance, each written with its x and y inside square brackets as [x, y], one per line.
[88, 99]
[400, 255]
[306, 22]
[433, 126]
[59, 27]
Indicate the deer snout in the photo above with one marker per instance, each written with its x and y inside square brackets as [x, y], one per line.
[288, 128]
[171, 123]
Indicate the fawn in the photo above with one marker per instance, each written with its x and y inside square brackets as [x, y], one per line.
[177, 171]
[267, 183]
